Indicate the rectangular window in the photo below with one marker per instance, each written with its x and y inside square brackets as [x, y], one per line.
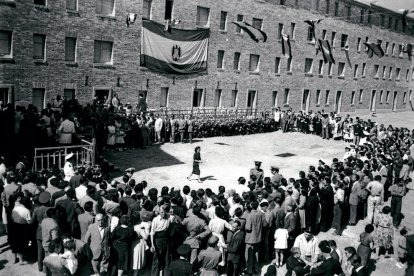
[320, 71]
[384, 68]
[4, 95]
[223, 21]
[353, 98]
[203, 17]
[282, 2]
[233, 102]
[407, 75]
[5, 44]
[361, 16]
[361, 95]
[102, 52]
[393, 49]
[382, 20]
[330, 68]
[412, 74]
[344, 40]
[308, 66]
[355, 71]
[348, 12]
[292, 30]
[381, 96]
[289, 65]
[317, 5]
[169, 7]
[251, 99]
[257, 23]
[390, 74]
[318, 97]
[39, 46]
[336, 8]
[72, 5]
[217, 98]
[286, 97]
[389, 22]
[333, 39]
[327, 6]
[274, 99]
[280, 31]
[105, 7]
[366, 41]
[220, 59]
[369, 17]
[70, 49]
[69, 94]
[254, 63]
[164, 97]
[198, 98]
[311, 34]
[396, 22]
[146, 9]
[376, 71]
[364, 67]
[327, 97]
[387, 97]
[341, 69]
[277, 65]
[239, 19]
[323, 34]
[387, 44]
[400, 50]
[359, 44]
[40, 2]
[405, 97]
[38, 98]
[397, 73]
[236, 63]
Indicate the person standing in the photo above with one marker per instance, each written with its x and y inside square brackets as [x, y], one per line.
[68, 167]
[190, 128]
[397, 191]
[235, 248]
[327, 204]
[182, 125]
[376, 190]
[196, 164]
[325, 126]
[353, 199]
[158, 128]
[181, 267]
[258, 172]
[210, 258]
[121, 239]
[66, 130]
[366, 244]
[174, 125]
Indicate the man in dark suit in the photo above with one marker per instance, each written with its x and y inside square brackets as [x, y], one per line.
[72, 210]
[235, 248]
[295, 264]
[290, 224]
[174, 127]
[410, 255]
[329, 266]
[359, 269]
[181, 267]
[85, 219]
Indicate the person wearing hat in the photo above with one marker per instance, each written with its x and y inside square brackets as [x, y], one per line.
[129, 172]
[181, 267]
[258, 172]
[329, 266]
[210, 258]
[276, 176]
[235, 250]
[68, 170]
[347, 154]
[295, 264]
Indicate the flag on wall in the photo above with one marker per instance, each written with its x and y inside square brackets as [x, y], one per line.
[373, 48]
[174, 52]
[325, 48]
[286, 49]
[255, 34]
[313, 23]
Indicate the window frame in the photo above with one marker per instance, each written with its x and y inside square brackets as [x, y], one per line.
[101, 52]
[198, 17]
[257, 65]
[43, 46]
[220, 59]
[100, 12]
[223, 24]
[9, 46]
[74, 49]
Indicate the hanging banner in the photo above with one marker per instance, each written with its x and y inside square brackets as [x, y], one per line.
[175, 51]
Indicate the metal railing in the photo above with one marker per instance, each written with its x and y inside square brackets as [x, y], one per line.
[83, 154]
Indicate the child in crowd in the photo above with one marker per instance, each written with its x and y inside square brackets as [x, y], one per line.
[281, 242]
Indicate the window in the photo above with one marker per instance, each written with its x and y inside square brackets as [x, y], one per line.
[341, 69]
[348, 12]
[251, 99]
[361, 16]
[283, 2]
[311, 34]
[39, 46]
[198, 98]
[409, 97]
[400, 50]
[323, 34]
[70, 49]
[327, 97]
[353, 98]
[376, 71]
[236, 63]
[233, 102]
[397, 73]
[220, 59]
[203, 17]
[40, 2]
[146, 9]
[169, 7]
[308, 66]
[336, 8]
[5, 44]
[369, 17]
[379, 42]
[105, 7]
[72, 5]
[257, 23]
[384, 72]
[38, 98]
[103, 94]
[407, 75]
[102, 52]
[327, 6]
[223, 21]
[330, 68]
[361, 95]
[277, 65]
[364, 67]
[318, 97]
[387, 44]
[164, 97]
[333, 39]
[381, 96]
[289, 65]
[320, 71]
[274, 99]
[292, 30]
[359, 44]
[254, 63]
[389, 22]
[5, 95]
[393, 49]
[344, 40]
[239, 19]
[286, 97]
[217, 98]
[387, 97]
[412, 74]
[355, 71]
[390, 75]
[69, 94]
[405, 98]
[280, 31]
[366, 41]
[396, 24]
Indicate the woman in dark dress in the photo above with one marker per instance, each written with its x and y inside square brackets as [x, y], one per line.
[121, 239]
[196, 164]
[311, 211]
[366, 244]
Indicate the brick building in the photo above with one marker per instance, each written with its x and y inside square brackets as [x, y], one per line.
[83, 48]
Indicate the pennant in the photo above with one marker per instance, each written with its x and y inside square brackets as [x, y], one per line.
[325, 48]
[408, 48]
[131, 17]
[286, 49]
[374, 48]
[313, 23]
[404, 17]
[174, 52]
[254, 33]
[347, 55]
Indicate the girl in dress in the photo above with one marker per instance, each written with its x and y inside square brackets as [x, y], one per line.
[140, 245]
[196, 164]
[351, 130]
[119, 135]
[346, 130]
[110, 142]
[281, 242]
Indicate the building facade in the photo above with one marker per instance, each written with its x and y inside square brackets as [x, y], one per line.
[84, 48]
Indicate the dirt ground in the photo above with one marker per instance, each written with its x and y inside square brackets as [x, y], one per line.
[226, 159]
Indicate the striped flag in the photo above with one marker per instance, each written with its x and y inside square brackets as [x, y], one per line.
[373, 48]
[255, 34]
[174, 52]
[325, 48]
[286, 49]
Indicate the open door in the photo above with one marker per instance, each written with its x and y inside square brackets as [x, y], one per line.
[373, 100]
[338, 102]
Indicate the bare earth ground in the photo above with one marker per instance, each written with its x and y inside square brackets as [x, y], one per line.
[227, 158]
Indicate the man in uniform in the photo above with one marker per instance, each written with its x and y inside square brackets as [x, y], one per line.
[68, 168]
[277, 177]
[181, 267]
[210, 258]
[257, 171]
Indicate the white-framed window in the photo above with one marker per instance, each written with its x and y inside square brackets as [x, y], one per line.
[400, 50]
[38, 98]
[344, 40]
[146, 9]
[376, 71]
[361, 95]
[72, 5]
[289, 64]
[364, 67]
[292, 30]
[381, 99]
[70, 49]
[39, 46]
[355, 71]
[254, 63]
[40, 2]
[311, 34]
[274, 98]
[239, 19]
[217, 98]
[384, 69]
[277, 65]
[330, 68]
[308, 66]
[6, 43]
[280, 31]
[286, 96]
[407, 75]
[164, 96]
[333, 39]
[393, 49]
[223, 21]
[387, 97]
[405, 98]
[397, 73]
[327, 97]
[252, 99]
[198, 98]
[103, 52]
[323, 34]
[390, 74]
[341, 69]
[318, 97]
[257, 23]
[234, 94]
[236, 63]
[220, 59]
[359, 44]
[320, 70]
[105, 7]
[69, 93]
[387, 44]
[353, 98]
[203, 16]
[169, 9]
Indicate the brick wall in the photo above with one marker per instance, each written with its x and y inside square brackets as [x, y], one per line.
[23, 74]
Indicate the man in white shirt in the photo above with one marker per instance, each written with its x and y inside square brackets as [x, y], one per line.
[66, 130]
[68, 168]
[308, 245]
[158, 127]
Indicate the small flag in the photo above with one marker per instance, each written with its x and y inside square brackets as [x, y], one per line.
[325, 48]
[131, 18]
[286, 49]
[313, 23]
[254, 33]
[374, 48]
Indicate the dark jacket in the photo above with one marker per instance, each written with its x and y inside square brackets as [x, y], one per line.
[236, 247]
[328, 267]
[180, 268]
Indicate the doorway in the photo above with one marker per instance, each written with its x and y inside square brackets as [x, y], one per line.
[394, 101]
[305, 100]
[338, 102]
[198, 98]
[373, 100]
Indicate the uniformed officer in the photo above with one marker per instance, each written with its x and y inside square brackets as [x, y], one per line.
[68, 167]
[181, 267]
[257, 171]
[277, 177]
